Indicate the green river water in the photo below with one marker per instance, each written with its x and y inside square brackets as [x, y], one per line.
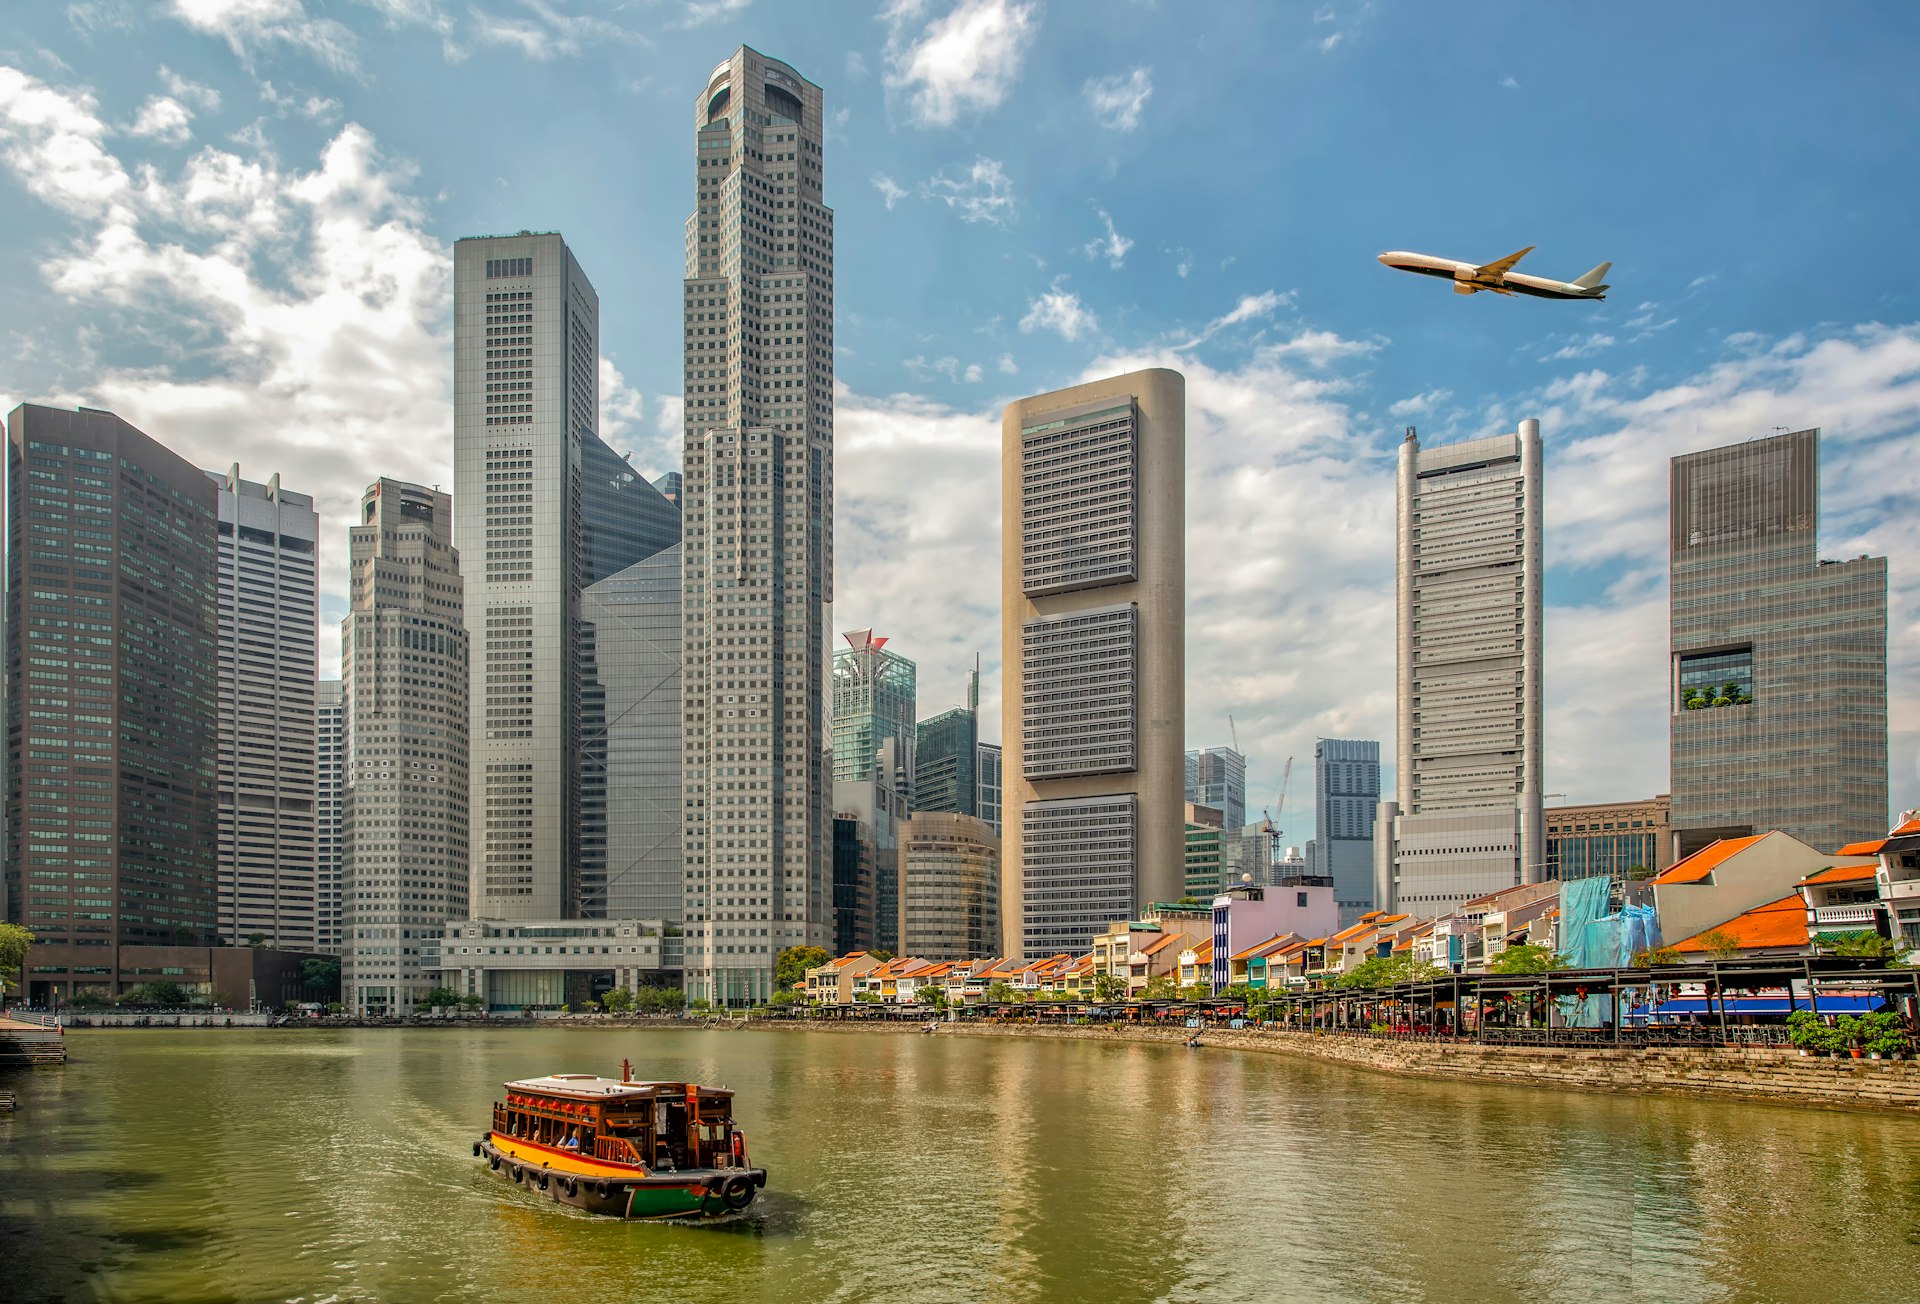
[334, 1165]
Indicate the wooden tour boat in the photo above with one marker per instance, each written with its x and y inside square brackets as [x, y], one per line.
[625, 1149]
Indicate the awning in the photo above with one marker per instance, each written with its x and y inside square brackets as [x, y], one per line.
[1758, 1005]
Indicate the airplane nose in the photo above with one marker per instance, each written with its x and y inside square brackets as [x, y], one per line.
[1381, 258]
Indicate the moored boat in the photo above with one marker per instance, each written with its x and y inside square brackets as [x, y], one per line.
[622, 1148]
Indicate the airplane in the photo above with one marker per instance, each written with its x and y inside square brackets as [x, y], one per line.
[1499, 276]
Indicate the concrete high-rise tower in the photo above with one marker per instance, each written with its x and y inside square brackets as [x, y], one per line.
[1779, 688]
[1346, 796]
[1217, 777]
[403, 660]
[268, 853]
[1467, 820]
[330, 798]
[545, 509]
[757, 493]
[875, 698]
[1093, 614]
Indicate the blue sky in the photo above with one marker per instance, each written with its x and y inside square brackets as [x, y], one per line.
[229, 220]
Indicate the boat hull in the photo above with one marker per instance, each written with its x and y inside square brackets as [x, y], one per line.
[616, 1191]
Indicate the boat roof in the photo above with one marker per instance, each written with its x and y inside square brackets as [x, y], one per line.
[591, 1085]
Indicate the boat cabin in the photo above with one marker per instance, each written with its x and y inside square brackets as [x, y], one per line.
[662, 1126]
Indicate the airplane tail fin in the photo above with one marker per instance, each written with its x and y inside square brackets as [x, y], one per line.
[1593, 278]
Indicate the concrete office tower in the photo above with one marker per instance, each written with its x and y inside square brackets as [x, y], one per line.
[404, 661]
[757, 491]
[1779, 680]
[330, 797]
[1204, 867]
[1093, 605]
[112, 623]
[546, 509]
[946, 761]
[1346, 795]
[874, 698]
[1217, 777]
[1467, 819]
[630, 647]
[268, 855]
[880, 804]
[949, 887]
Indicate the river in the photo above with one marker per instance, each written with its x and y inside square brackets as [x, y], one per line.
[334, 1165]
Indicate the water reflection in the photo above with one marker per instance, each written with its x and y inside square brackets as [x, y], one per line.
[243, 1165]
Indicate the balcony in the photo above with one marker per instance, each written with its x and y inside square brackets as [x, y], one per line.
[1853, 916]
[1902, 889]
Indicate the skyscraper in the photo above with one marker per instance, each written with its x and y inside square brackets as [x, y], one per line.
[1467, 818]
[546, 508]
[403, 655]
[630, 646]
[989, 761]
[1217, 777]
[1346, 796]
[268, 856]
[757, 494]
[330, 797]
[1779, 679]
[112, 626]
[1093, 612]
[949, 887]
[946, 761]
[874, 699]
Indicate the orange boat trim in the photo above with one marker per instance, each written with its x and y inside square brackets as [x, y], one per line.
[562, 1161]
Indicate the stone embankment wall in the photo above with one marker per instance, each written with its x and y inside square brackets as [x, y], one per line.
[1748, 1074]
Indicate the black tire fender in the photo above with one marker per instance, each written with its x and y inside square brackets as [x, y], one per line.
[519, 1173]
[493, 1162]
[572, 1185]
[476, 1149]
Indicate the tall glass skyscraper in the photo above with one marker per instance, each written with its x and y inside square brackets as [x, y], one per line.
[269, 653]
[545, 509]
[1779, 659]
[757, 494]
[1093, 585]
[1346, 796]
[330, 796]
[1217, 777]
[404, 651]
[630, 646]
[874, 699]
[112, 622]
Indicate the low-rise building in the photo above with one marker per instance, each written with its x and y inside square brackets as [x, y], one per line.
[544, 964]
[1897, 874]
[1300, 904]
[1772, 928]
[1732, 876]
[1196, 966]
[1843, 900]
[833, 983]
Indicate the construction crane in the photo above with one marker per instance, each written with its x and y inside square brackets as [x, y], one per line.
[1268, 826]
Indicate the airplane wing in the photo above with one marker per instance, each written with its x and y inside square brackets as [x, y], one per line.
[1499, 269]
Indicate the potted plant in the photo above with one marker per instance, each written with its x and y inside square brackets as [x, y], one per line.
[1808, 1033]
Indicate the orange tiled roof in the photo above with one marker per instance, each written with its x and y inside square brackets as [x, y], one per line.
[1777, 923]
[1166, 940]
[847, 959]
[1841, 874]
[1872, 846]
[1204, 951]
[1702, 862]
[1257, 947]
[1352, 931]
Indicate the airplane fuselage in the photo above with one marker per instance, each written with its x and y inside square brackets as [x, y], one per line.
[1469, 278]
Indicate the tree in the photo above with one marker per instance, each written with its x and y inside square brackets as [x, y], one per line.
[1653, 959]
[881, 955]
[1107, 988]
[1001, 994]
[1862, 945]
[320, 977]
[467, 1003]
[256, 940]
[1720, 944]
[439, 996]
[618, 1000]
[928, 994]
[1386, 970]
[1164, 988]
[791, 965]
[1526, 958]
[160, 994]
[14, 941]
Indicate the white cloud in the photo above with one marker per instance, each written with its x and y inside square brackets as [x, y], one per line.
[1112, 246]
[1059, 309]
[1118, 101]
[856, 65]
[621, 405]
[1327, 45]
[696, 13]
[1510, 83]
[289, 319]
[1580, 346]
[973, 374]
[891, 192]
[1007, 365]
[962, 63]
[1251, 307]
[247, 26]
[1420, 404]
[196, 93]
[982, 193]
[163, 119]
[1319, 348]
